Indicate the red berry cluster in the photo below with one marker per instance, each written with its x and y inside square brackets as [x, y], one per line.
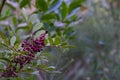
[30, 50]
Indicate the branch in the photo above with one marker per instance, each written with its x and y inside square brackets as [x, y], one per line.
[3, 2]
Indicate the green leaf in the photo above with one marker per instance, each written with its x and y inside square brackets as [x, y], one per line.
[16, 45]
[12, 40]
[75, 4]
[8, 13]
[27, 69]
[57, 40]
[50, 40]
[37, 27]
[23, 28]
[64, 10]
[48, 17]
[4, 59]
[41, 5]
[43, 66]
[54, 6]
[14, 20]
[23, 3]
[50, 68]
[12, 5]
[25, 14]
[46, 41]
[3, 37]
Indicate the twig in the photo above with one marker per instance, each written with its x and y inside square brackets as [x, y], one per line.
[3, 2]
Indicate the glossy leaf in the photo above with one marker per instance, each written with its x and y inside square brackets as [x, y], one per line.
[75, 4]
[64, 10]
[54, 6]
[23, 3]
[37, 27]
[41, 5]
[50, 68]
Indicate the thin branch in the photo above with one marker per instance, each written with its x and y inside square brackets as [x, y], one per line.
[3, 2]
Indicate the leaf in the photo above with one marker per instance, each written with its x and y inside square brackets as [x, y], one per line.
[23, 28]
[25, 14]
[46, 26]
[72, 14]
[48, 17]
[12, 40]
[23, 3]
[12, 5]
[75, 4]
[8, 12]
[1, 65]
[4, 59]
[3, 37]
[50, 40]
[27, 69]
[16, 45]
[41, 5]
[50, 68]
[49, 27]
[46, 41]
[33, 18]
[43, 66]
[14, 20]
[64, 10]
[37, 27]
[57, 40]
[54, 6]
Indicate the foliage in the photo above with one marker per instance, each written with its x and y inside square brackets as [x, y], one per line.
[61, 50]
[28, 20]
